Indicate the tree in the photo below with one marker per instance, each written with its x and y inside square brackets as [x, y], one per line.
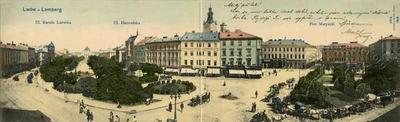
[341, 75]
[362, 90]
[151, 69]
[383, 76]
[133, 67]
[310, 91]
[112, 84]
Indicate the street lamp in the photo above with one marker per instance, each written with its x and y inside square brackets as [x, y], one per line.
[174, 96]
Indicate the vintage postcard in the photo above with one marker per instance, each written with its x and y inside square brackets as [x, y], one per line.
[199, 60]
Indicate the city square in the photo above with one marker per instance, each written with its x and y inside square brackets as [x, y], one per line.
[199, 61]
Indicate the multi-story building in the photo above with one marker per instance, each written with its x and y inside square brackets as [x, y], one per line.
[13, 58]
[164, 51]
[130, 45]
[352, 53]
[240, 49]
[120, 54]
[385, 49]
[288, 53]
[139, 50]
[107, 53]
[200, 51]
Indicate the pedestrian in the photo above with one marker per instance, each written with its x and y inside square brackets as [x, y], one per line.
[91, 117]
[182, 106]
[209, 96]
[256, 94]
[83, 104]
[170, 107]
[118, 119]
[88, 115]
[111, 116]
[134, 119]
[224, 84]
[80, 110]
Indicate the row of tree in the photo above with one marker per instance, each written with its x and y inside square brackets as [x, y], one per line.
[112, 83]
[55, 70]
[308, 90]
[344, 80]
[383, 76]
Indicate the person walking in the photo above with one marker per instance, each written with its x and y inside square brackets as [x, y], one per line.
[111, 116]
[134, 119]
[256, 94]
[182, 106]
[170, 107]
[117, 117]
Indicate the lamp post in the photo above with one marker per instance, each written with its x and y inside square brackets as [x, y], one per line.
[173, 97]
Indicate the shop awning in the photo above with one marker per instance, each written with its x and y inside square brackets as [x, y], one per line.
[236, 72]
[188, 70]
[171, 70]
[213, 71]
[254, 72]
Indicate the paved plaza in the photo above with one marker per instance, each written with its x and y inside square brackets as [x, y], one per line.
[34, 96]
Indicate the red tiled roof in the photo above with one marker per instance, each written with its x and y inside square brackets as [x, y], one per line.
[236, 35]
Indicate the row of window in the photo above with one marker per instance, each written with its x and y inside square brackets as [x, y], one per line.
[198, 53]
[343, 53]
[287, 56]
[238, 52]
[238, 42]
[200, 44]
[166, 54]
[239, 61]
[199, 62]
[354, 59]
[284, 49]
[164, 47]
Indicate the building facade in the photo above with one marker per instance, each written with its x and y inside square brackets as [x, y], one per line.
[288, 53]
[107, 53]
[385, 49]
[240, 49]
[120, 54]
[351, 53]
[139, 50]
[164, 51]
[200, 50]
[130, 45]
[13, 58]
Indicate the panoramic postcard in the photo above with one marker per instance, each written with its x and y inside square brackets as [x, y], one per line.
[200, 61]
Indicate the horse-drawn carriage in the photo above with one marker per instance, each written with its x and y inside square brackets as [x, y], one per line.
[199, 99]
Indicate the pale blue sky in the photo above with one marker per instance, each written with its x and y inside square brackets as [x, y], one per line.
[92, 21]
